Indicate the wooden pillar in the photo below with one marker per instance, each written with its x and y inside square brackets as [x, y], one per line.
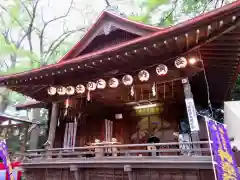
[25, 138]
[74, 169]
[192, 114]
[128, 169]
[53, 125]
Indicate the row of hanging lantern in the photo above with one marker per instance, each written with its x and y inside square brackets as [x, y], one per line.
[127, 80]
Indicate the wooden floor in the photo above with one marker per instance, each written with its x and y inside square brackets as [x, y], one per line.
[119, 174]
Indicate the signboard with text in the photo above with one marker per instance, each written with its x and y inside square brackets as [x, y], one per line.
[192, 114]
[223, 158]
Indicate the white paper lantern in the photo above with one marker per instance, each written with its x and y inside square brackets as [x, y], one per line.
[101, 84]
[161, 70]
[70, 90]
[16, 132]
[91, 86]
[80, 89]
[143, 75]
[181, 62]
[61, 90]
[52, 90]
[127, 80]
[113, 83]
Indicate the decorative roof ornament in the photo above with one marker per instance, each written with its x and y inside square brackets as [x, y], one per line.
[115, 10]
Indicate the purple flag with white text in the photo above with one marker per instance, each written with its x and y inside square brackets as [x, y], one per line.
[225, 164]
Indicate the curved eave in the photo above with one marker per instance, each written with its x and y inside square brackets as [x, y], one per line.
[208, 32]
[30, 105]
[215, 16]
[5, 117]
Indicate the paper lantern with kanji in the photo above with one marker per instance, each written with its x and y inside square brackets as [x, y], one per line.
[143, 75]
[91, 86]
[52, 90]
[161, 70]
[80, 89]
[70, 90]
[181, 62]
[61, 90]
[113, 83]
[127, 80]
[101, 84]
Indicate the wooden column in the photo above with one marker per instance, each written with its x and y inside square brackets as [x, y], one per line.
[25, 138]
[53, 125]
[192, 114]
[128, 169]
[74, 169]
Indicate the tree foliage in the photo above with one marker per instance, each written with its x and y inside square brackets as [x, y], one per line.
[25, 42]
[168, 12]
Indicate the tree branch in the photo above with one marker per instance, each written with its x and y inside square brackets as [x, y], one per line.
[170, 13]
[15, 19]
[107, 3]
[30, 26]
[25, 7]
[55, 44]
[41, 35]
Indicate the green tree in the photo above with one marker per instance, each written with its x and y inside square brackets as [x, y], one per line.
[172, 12]
[25, 43]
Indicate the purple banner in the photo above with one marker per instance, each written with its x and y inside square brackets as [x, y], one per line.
[225, 164]
[5, 158]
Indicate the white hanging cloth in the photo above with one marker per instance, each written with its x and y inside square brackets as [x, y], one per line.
[70, 135]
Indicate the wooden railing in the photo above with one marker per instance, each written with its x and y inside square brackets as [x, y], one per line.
[119, 151]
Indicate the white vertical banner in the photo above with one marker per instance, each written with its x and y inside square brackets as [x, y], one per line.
[192, 114]
[111, 130]
[75, 133]
[108, 130]
[65, 137]
[70, 135]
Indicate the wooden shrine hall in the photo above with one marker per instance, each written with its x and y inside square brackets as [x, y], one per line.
[124, 96]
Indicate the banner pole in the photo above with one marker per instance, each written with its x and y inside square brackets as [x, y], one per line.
[210, 146]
